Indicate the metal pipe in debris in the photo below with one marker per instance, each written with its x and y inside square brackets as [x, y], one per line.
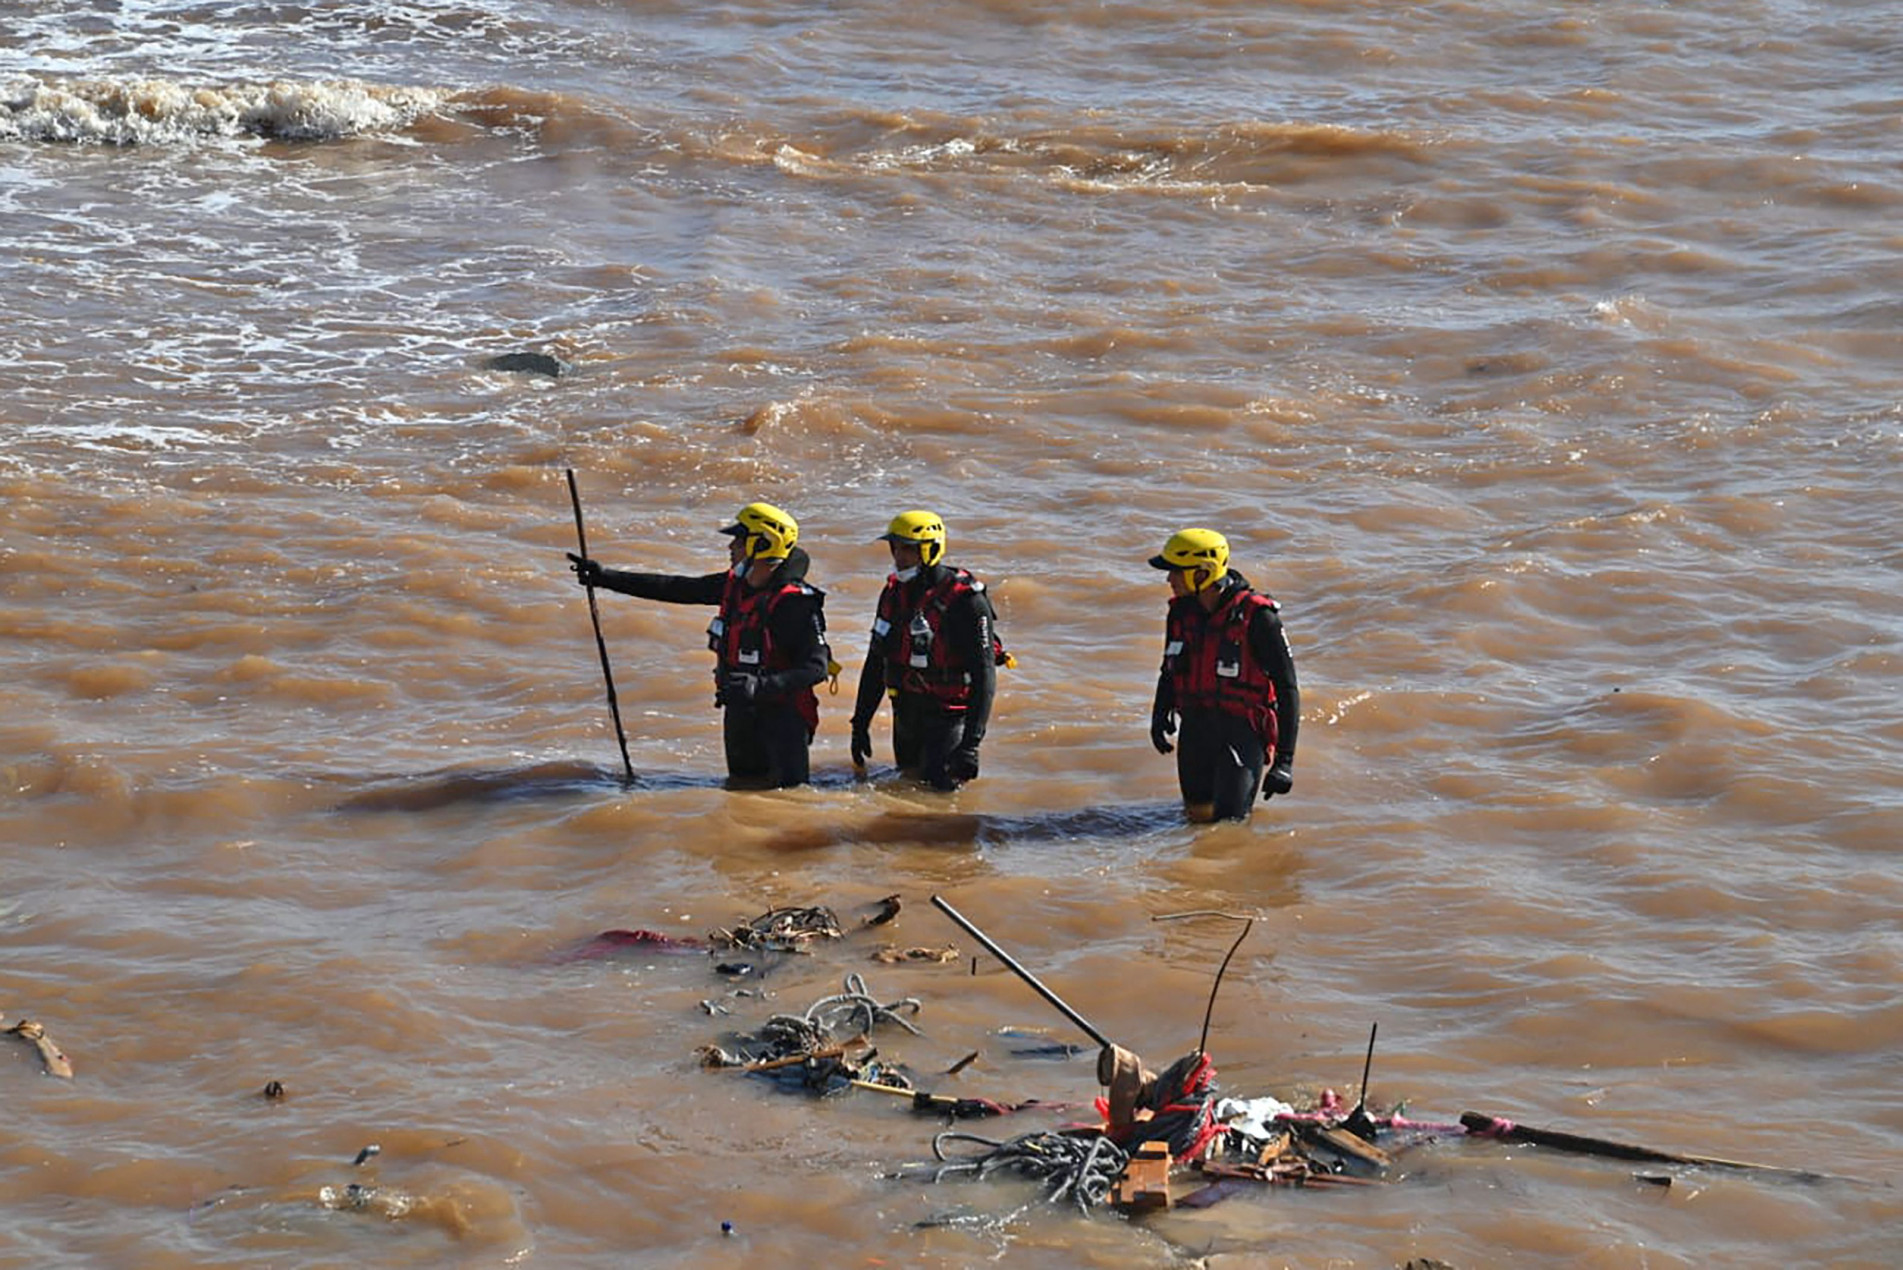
[1011, 964]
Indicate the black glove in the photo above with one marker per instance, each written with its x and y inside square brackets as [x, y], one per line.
[1162, 728]
[1277, 780]
[587, 572]
[861, 743]
[962, 763]
[739, 688]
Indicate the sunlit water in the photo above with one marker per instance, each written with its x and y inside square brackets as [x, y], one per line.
[1543, 361]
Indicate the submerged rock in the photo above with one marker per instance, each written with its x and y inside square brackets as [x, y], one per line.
[530, 363]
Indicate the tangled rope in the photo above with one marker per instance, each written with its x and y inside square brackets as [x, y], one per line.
[1184, 1102]
[826, 1018]
[1079, 1168]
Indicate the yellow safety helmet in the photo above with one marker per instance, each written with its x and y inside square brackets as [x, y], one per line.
[924, 529]
[769, 532]
[1202, 551]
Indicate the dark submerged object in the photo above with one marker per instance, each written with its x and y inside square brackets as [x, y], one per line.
[530, 363]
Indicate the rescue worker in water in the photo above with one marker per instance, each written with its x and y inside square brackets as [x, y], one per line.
[935, 652]
[768, 641]
[1229, 677]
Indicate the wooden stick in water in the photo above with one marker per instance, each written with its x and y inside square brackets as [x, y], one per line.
[601, 645]
[1486, 1126]
[54, 1059]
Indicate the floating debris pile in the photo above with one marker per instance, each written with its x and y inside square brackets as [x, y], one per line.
[1159, 1140]
[788, 930]
[827, 1048]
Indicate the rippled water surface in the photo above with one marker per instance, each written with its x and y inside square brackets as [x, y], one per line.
[1541, 359]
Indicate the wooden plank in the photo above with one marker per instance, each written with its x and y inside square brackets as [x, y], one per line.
[1145, 1183]
[1345, 1143]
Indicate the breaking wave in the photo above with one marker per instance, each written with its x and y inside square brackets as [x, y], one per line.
[145, 111]
[1260, 154]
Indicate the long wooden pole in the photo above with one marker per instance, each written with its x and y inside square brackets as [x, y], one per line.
[601, 645]
[1481, 1125]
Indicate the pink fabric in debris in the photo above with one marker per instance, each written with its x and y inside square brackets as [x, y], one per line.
[610, 942]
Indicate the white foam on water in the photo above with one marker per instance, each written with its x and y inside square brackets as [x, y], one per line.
[222, 41]
[118, 437]
[135, 111]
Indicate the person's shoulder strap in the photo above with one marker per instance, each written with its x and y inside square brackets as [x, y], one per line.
[788, 589]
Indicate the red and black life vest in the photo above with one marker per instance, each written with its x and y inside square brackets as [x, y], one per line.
[741, 637]
[911, 637]
[1210, 664]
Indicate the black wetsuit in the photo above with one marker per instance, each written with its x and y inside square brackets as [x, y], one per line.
[769, 738]
[1220, 755]
[935, 735]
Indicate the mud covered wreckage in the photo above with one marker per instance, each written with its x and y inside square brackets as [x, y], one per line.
[1149, 1141]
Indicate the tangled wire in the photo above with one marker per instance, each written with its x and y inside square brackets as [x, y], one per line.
[1081, 1169]
[821, 1035]
[829, 1017]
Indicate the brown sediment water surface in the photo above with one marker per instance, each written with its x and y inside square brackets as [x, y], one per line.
[1542, 359]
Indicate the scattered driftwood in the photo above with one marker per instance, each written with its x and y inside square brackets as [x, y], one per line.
[51, 1056]
[1349, 1146]
[1300, 1152]
[714, 1056]
[781, 929]
[891, 954]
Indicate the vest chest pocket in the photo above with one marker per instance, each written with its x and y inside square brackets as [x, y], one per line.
[921, 635]
[1229, 660]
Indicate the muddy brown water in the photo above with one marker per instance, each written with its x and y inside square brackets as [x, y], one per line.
[1542, 360]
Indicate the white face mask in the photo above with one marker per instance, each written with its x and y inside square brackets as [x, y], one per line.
[906, 575]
